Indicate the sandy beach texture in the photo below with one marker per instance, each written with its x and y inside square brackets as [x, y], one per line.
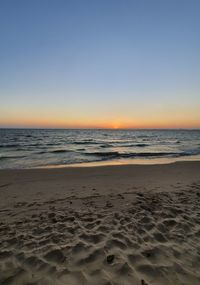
[125, 225]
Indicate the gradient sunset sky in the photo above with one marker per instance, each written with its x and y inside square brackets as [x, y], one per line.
[100, 63]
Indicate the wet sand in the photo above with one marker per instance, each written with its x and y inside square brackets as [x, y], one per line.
[134, 224]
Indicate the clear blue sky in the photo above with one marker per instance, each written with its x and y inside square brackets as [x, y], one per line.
[98, 63]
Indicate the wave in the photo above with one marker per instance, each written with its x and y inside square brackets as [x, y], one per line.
[49, 144]
[85, 142]
[118, 144]
[194, 151]
[141, 144]
[10, 157]
[55, 151]
[59, 151]
[103, 154]
[9, 145]
[106, 145]
[134, 145]
[116, 154]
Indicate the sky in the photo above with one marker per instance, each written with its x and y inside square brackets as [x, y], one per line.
[100, 63]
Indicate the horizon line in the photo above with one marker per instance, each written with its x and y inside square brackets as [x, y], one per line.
[53, 128]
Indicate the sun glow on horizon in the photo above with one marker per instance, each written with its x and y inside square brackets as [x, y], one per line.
[99, 124]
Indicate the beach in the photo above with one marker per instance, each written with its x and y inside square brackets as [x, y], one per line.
[99, 142]
[129, 224]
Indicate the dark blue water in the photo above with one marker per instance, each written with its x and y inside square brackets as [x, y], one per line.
[26, 148]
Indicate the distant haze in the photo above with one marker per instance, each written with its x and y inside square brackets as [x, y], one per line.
[100, 64]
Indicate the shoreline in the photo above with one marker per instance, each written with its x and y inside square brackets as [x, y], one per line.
[115, 162]
[105, 164]
[125, 162]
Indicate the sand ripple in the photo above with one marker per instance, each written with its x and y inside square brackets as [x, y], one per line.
[131, 238]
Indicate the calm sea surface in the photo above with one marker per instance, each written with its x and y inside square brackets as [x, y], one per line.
[28, 148]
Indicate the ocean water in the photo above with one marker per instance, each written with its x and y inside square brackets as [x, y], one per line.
[29, 148]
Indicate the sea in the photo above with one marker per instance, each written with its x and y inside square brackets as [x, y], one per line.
[41, 148]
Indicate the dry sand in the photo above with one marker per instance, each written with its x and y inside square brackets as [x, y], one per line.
[137, 224]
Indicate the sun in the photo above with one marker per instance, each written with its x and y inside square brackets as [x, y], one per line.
[115, 125]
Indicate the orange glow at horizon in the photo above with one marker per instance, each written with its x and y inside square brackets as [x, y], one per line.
[98, 124]
[123, 119]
